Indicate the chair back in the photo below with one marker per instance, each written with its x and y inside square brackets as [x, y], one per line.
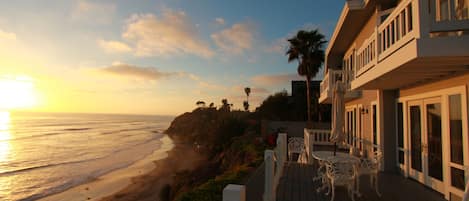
[296, 145]
[341, 171]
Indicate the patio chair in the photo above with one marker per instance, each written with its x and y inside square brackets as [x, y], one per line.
[295, 146]
[370, 166]
[342, 173]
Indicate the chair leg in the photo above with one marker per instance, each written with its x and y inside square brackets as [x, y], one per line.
[333, 191]
[376, 185]
[351, 190]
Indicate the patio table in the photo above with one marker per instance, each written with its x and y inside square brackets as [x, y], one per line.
[324, 157]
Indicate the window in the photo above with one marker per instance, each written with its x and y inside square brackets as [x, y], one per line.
[443, 11]
[400, 133]
[455, 126]
[462, 9]
[375, 129]
[456, 143]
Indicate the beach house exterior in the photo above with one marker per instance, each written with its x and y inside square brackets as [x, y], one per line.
[405, 64]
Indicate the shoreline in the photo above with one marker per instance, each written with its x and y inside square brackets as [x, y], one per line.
[148, 186]
[114, 182]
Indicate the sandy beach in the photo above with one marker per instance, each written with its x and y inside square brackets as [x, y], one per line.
[141, 181]
[147, 187]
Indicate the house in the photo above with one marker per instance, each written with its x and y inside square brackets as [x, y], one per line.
[320, 112]
[405, 64]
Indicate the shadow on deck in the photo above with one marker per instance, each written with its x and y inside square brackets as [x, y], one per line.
[297, 185]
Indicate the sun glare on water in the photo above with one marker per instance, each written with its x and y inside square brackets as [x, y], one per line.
[16, 92]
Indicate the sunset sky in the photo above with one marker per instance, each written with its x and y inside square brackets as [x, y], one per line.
[149, 56]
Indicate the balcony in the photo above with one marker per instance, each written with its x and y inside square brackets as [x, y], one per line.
[419, 41]
[328, 83]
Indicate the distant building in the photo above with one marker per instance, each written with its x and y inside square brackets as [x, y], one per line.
[319, 112]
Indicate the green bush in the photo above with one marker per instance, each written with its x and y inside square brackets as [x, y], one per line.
[212, 190]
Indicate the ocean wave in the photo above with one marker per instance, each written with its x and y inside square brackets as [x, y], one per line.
[115, 152]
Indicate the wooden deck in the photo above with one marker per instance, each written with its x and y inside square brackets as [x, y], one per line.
[297, 185]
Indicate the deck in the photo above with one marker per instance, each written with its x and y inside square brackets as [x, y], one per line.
[296, 184]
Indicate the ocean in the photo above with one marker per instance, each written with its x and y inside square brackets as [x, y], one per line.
[44, 153]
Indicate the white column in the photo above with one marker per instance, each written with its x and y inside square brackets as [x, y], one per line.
[233, 192]
[269, 176]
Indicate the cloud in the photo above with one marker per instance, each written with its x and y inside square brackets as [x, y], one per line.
[7, 36]
[235, 39]
[95, 12]
[259, 90]
[220, 21]
[167, 35]
[269, 80]
[145, 73]
[114, 46]
[278, 46]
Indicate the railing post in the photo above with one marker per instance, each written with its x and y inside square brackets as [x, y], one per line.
[282, 144]
[269, 176]
[311, 147]
[307, 142]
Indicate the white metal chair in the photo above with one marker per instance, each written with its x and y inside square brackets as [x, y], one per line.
[371, 166]
[342, 173]
[295, 146]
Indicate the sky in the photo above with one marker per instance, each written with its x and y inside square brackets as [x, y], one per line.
[149, 56]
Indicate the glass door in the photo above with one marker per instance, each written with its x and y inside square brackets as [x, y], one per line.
[415, 132]
[432, 144]
[425, 130]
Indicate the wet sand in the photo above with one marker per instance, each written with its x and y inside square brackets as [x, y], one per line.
[147, 187]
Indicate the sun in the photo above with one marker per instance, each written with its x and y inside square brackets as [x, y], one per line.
[17, 92]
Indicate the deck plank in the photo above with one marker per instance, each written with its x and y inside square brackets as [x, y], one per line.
[296, 185]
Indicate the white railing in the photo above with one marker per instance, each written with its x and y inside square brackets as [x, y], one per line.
[366, 55]
[448, 15]
[397, 29]
[274, 161]
[328, 83]
[315, 137]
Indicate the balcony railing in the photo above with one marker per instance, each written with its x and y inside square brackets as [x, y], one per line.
[449, 15]
[331, 77]
[409, 20]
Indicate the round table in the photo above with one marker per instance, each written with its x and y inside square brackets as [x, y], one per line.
[324, 157]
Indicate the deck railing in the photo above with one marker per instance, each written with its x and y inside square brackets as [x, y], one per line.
[331, 77]
[409, 20]
[274, 161]
[315, 137]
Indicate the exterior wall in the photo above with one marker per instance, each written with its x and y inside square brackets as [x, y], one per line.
[451, 82]
[440, 89]
[364, 120]
[365, 32]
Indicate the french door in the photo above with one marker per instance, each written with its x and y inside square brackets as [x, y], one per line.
[425, 137]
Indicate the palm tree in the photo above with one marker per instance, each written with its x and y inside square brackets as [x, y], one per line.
[246, 105]
[306, 47]
[200, 103]
[225, 105]
[247, 90]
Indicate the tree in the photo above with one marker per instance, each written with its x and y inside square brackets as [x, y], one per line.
[200, 104]
[247, 90]
[306, 47]
[225, 105]
[246, 105]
